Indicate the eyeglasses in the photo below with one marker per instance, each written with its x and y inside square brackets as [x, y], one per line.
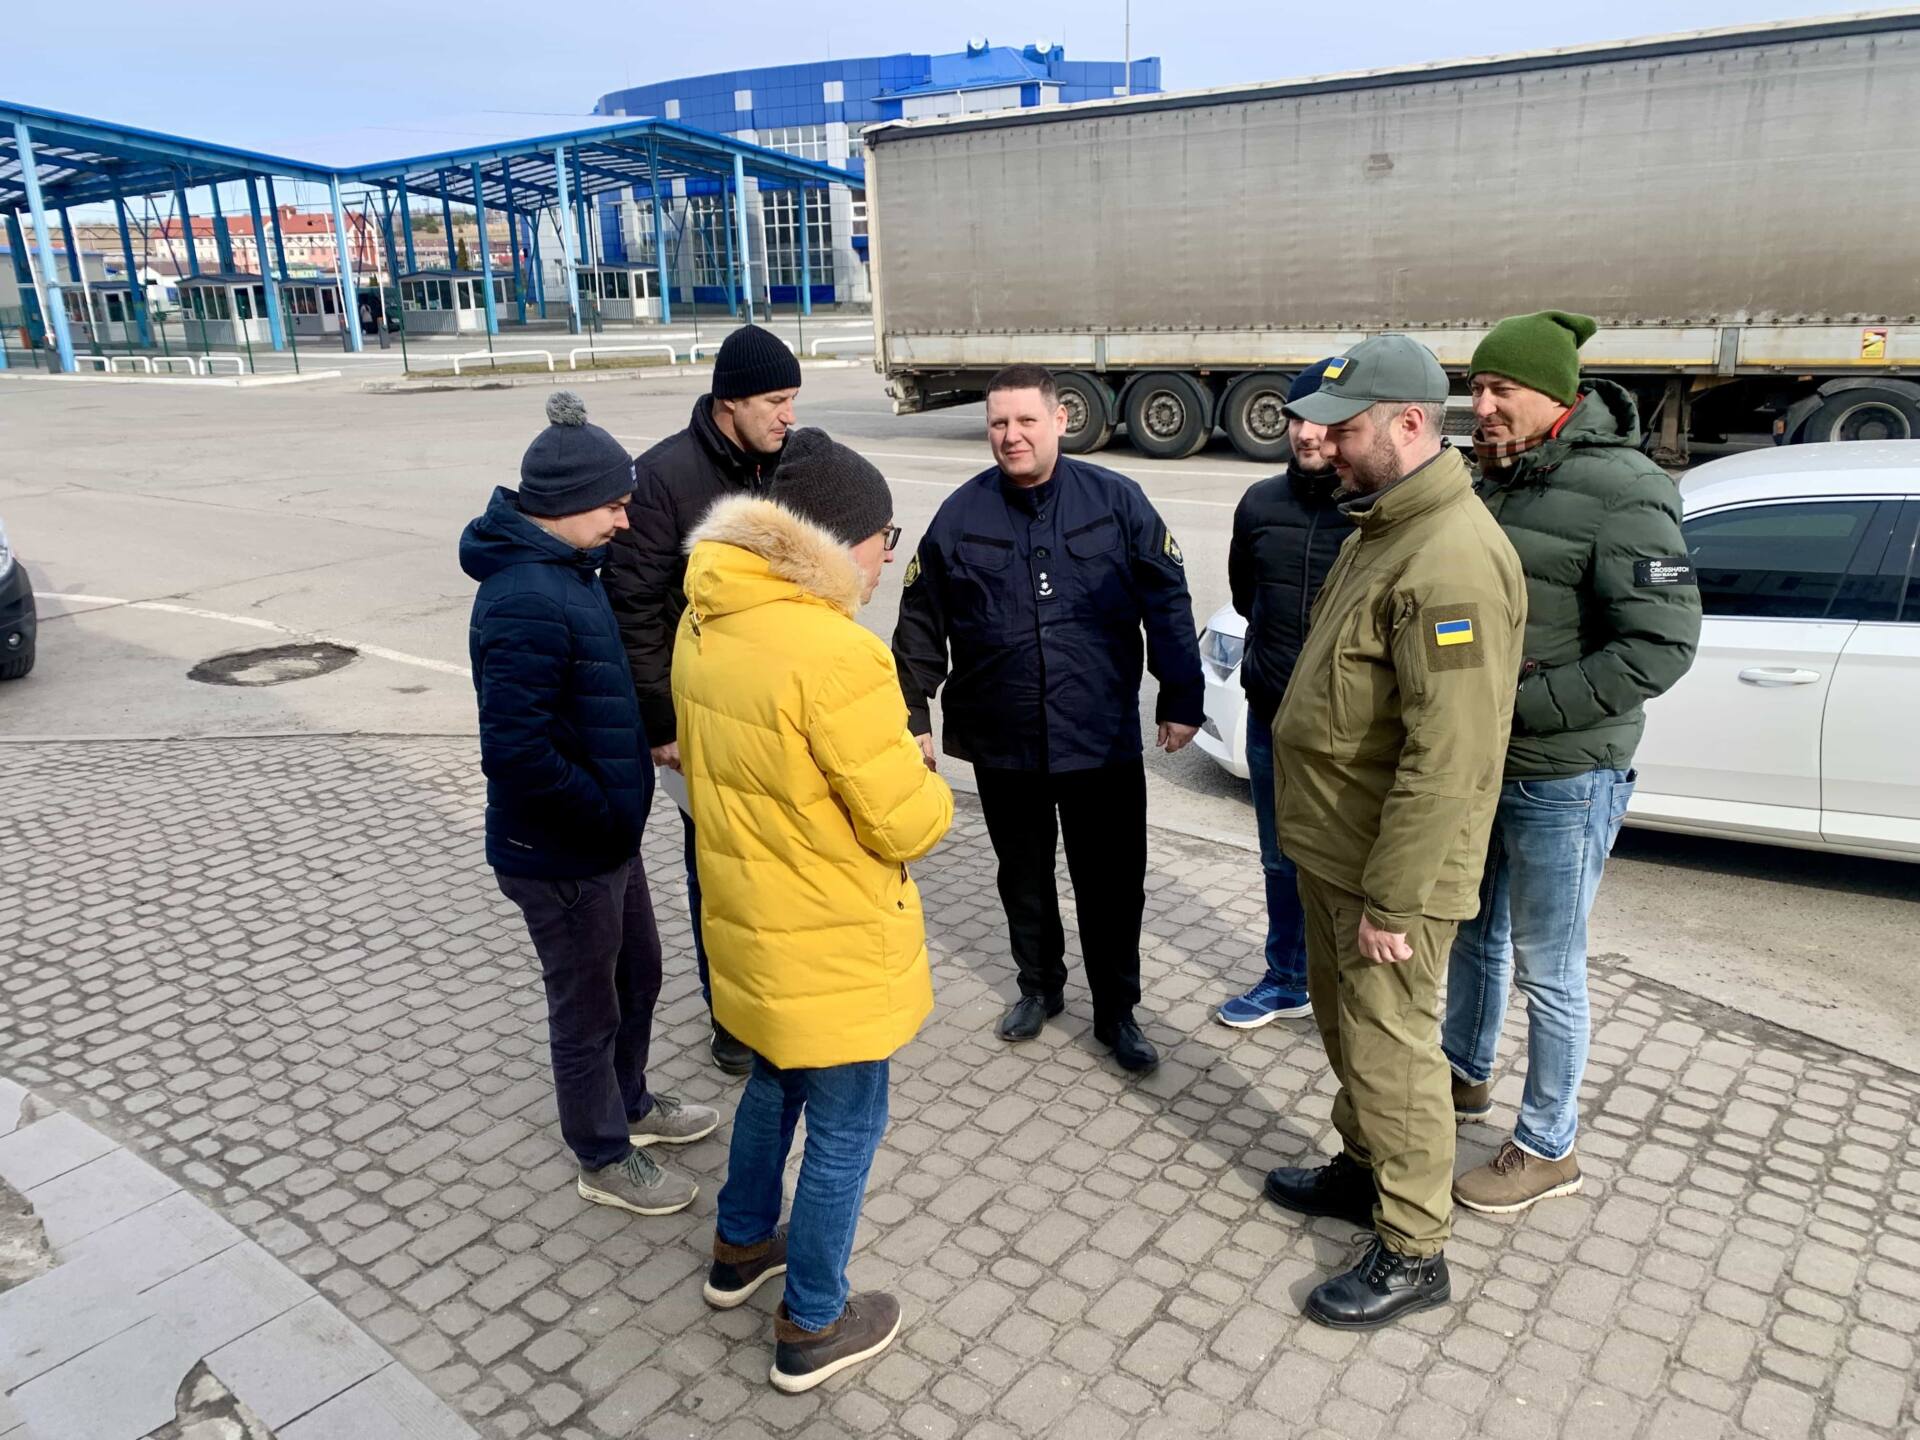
[890, 537]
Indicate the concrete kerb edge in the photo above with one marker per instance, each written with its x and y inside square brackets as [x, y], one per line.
[569, 378]
[225, 382]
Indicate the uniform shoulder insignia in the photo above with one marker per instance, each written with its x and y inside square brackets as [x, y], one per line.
[1450, 637]
[913, 573]
[1172, 549]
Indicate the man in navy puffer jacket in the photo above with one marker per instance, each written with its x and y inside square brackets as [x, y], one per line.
[568, 786]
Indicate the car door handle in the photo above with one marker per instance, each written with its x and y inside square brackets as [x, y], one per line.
[1774, 675]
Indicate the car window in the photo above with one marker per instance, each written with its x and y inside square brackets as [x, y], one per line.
[1776, 561]
[1906, 545]
[1877, 581]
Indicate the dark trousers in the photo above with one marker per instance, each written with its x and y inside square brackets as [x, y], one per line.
[600, 960]
[693, 908]
[1103, 816]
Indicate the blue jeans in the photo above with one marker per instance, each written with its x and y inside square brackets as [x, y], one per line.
[1286, 921]
[1550, 841]
[846, 1109]
[693, 909]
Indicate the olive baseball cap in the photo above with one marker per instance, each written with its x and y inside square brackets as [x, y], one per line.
[1390, 369]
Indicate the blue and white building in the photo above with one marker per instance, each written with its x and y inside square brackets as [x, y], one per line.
[817, 112]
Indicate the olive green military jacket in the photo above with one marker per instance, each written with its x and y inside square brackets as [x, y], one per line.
[1390, 742]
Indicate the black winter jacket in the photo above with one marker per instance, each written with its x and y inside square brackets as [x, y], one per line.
[568, 779]
[676, 483]
[1287, 531]
[1028, 605]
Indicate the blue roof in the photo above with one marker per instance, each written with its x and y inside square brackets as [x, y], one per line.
[976, 70]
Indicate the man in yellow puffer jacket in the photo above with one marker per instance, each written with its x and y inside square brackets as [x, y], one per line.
[809, 800]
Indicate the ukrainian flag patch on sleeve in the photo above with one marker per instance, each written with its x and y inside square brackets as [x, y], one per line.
[1450, 638]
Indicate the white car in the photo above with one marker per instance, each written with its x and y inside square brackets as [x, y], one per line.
[1792, 726]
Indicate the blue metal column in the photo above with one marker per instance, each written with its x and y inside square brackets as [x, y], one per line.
[539, 270]
[726, 234]
[393, 254]
[279, 241]
[446, 218]
[659, 233]
[73, 250]
[50, 277]
[406, 224]
[137, 295]
[222, 241]
[566, 238]
[23, 277]
[516, 232]
[740, 216]
[486, 249]
[276, 323]
[186, 229]
[806, 272]
[349, 292]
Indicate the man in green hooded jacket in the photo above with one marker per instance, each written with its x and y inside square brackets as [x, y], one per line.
[1613, 620]
[1388, 748]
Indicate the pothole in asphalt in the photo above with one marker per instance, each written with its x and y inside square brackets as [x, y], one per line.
[274, 665]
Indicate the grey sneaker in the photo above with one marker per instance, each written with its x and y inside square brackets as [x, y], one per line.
[671, 1122]
[639, 1185]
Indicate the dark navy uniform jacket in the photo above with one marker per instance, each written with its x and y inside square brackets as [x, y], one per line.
[1028, 605]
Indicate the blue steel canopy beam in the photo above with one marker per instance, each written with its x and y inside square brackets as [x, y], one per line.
[185, 221]
[49, 276]
[343, 266]
[137, 290]
[276, 323]
[566, 239]
[486, 252]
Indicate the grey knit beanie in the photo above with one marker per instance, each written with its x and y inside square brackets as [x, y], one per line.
[572, 466]
[838, 490]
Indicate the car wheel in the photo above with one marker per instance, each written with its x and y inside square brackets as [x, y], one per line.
[1169, 416]
[17, 664]
[1254, 416]
[1089, 407]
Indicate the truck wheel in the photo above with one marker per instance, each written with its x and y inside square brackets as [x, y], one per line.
[1253, 416]
[1169, 416]
[1089, 406]
[1866, 413]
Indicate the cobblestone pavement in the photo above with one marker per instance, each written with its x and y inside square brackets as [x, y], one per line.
[280, 970]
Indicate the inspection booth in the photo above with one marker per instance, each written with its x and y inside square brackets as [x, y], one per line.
[452, 302]
[112, 321]
[229, 309]
[623, 292]
[313, 303]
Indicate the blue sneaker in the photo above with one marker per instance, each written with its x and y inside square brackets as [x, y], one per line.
[1265, 1003]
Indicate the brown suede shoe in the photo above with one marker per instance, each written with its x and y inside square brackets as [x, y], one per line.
[1471, 1102]
[739, 1270]
[803, 1358]
[1513, 1180]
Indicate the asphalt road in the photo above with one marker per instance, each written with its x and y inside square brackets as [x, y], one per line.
[168, 525]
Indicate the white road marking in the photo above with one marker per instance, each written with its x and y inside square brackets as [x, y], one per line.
[164, 607]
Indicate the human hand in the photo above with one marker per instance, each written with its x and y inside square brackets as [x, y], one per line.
[1176, 737]
[1382, 947]
[668, 755]
[926, 752]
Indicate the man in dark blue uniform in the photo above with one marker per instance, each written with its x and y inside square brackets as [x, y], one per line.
[1027, 600]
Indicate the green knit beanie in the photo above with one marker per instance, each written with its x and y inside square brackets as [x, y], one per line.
[1538, 350]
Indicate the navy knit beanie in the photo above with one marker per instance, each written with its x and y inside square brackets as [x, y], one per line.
[572, 466]
[753, 361]
[834, 487]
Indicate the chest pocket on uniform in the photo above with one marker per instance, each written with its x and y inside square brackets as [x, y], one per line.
[978, 579]
[1099, 567]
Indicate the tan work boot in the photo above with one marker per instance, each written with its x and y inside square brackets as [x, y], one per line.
[1513, 1180]
[1470, 1101]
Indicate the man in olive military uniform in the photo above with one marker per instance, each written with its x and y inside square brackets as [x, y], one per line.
[1388, 749]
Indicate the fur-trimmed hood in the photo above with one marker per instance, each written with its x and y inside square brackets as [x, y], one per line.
[751, 551]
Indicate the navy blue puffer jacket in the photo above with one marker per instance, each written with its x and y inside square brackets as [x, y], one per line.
[568, 775]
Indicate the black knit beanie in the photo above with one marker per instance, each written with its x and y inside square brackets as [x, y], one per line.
[832, 486]
[753, 361]
[572, 466]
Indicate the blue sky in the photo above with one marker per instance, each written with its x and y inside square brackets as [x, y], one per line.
[269, 76]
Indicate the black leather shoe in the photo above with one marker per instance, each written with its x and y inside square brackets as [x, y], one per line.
[1029, 1016]
[1342, 1189]
[1381, 1288]
[1132, 1049]
[728, 1053]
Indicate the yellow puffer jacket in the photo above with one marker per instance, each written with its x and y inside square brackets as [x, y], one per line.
[809, 796]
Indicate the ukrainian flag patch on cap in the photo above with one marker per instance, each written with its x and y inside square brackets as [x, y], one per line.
[1453, 632]
[1335, 369]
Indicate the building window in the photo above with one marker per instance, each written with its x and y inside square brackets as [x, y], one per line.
[833, 92]
[673, 109]
[743, 99]
[857, 150]
[707, 220]
[778, 211]
[859, 217]
[807, 142]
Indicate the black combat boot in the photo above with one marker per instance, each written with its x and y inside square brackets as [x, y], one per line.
[1381, 1288]
[1342, 1189]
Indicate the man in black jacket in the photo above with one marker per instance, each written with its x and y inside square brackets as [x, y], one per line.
[1027, 600]
[731, 446]
[1286, 533]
